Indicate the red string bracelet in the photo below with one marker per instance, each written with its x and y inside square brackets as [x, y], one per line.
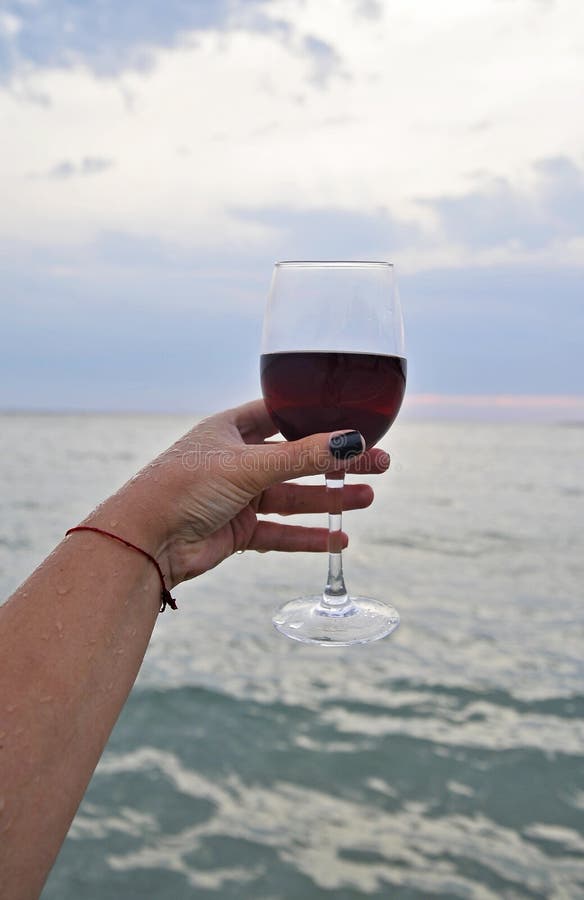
[165, 597]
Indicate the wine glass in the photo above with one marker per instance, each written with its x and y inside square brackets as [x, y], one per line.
[332, 359]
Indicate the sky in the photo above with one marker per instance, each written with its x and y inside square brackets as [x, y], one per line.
[156, 159]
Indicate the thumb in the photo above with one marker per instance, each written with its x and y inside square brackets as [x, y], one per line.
[313, 455]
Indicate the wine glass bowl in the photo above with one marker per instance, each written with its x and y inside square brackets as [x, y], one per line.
[308, 392]
[332, 359]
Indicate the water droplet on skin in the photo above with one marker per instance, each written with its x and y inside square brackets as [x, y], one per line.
[61, 590]
[59, 627]
[7, 827]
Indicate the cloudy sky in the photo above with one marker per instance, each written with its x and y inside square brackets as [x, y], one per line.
[156, 158]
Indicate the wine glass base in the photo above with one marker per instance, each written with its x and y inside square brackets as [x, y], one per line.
[360, 621]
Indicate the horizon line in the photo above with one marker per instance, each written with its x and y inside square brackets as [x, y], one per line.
[419, 401]
[531, 401]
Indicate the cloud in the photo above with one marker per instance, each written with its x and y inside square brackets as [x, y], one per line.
[235, 94]
[325, 60]
[330, 233]
[369, 9]
[498, 213]
[89, 165]
[111, 38]
[552, 408]
[108, 36]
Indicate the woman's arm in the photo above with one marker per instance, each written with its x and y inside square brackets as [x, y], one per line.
[73, 636]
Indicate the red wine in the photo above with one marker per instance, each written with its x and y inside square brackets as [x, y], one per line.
[310, 392]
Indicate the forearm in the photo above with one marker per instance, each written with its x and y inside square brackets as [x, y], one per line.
[74, 634]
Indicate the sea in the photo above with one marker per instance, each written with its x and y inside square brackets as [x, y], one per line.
[445, 761]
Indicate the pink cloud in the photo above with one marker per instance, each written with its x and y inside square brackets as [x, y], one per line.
[539, 407]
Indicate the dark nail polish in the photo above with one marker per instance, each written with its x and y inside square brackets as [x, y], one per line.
[347, 445]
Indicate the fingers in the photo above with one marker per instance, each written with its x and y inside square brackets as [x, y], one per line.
[372, 462]
[309, 456]
[318, 453]
[295, 499]
[252, 421]
[291, 538]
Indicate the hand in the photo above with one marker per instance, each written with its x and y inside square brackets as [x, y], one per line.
[207, 490]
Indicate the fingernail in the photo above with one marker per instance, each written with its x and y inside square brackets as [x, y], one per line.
[346, 445]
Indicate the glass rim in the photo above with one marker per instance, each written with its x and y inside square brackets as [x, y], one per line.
[334, 263]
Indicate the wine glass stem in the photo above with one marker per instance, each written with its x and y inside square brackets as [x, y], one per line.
[335, 593]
